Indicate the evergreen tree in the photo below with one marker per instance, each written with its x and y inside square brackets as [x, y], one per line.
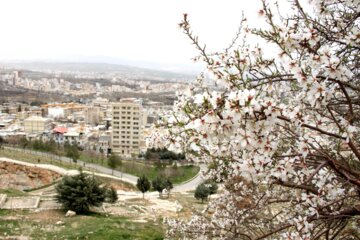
[80, 192]
[202, 192]
[160, 183]
[72, 152]
[114, 161]
[111, 195]
[143, 184]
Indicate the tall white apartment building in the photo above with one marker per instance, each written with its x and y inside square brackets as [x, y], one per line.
[126, 127]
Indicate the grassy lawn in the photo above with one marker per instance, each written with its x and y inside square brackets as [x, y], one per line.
[32, 158]
[138, 168]
[176, 174]
[13, 192]
[95, 226]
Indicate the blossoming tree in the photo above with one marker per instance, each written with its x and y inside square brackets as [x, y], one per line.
[279, 130]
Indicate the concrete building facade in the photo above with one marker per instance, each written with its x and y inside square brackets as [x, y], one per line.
[126, 127]
[36, 124]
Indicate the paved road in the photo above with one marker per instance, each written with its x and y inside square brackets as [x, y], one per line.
[193, 183]
[187, 186]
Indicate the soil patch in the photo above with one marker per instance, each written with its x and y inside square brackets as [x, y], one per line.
[20, 177]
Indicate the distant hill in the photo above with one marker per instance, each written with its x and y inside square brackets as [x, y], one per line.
[99, 68]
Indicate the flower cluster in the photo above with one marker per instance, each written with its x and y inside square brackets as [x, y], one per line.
[281, 133]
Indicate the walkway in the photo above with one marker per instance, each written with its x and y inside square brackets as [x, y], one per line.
[101, 170]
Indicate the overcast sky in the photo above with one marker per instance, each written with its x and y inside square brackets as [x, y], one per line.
[145, 30]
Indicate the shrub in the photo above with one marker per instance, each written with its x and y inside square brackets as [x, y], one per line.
[143, 184]
[80, 192]
[111, 195]
[202, 192]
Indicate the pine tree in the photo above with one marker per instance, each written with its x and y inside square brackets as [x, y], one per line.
[80, 192]
[143, 184]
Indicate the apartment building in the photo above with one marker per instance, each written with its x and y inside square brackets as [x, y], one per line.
[36, 124]
[126, 127]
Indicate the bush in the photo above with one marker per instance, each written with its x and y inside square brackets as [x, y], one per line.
[162, 154]
[202, 192]
[111, 195]
[160, 183]
[80, 192]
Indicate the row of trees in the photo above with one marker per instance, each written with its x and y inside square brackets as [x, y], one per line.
[162, 154]
[158, 184]
[70, 150]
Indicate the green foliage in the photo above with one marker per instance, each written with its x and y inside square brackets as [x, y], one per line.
[36, 103]
[160, 165]
[143, 184]
[111, 195]
[72, 151]
[202, 192]
[114, 161]
[160, 183]
[39, 145]
[80, 192]
[162, 154]
[212, 185]
[23, 142]
[92, 226]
